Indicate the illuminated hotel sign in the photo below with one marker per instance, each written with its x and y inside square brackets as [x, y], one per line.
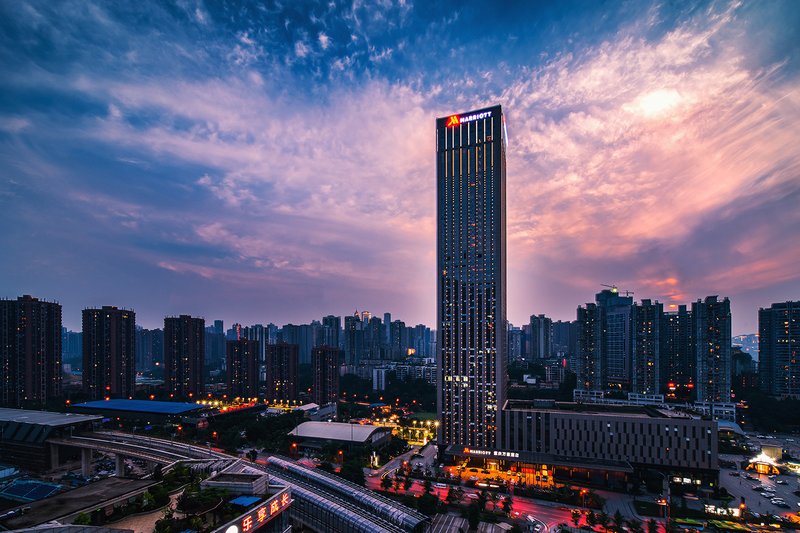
[259, 515]
[456, 120]
[491, 453]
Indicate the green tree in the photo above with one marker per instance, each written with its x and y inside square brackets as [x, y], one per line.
[576, 517]
[652, 526]
[386, 482]
[82, 519]
[427, 504]
[635, 526]
[603, 519]
[252, 455]
[407, 482]
[591, 519]
[619, 521]
[427, 486]
[483, 497]
[473, 515]
[507, 504]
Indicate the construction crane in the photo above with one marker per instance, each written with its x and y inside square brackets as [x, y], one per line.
[615, 289]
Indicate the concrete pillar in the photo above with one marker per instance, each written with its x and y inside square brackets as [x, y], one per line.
[120, 465]
[53, 456]
[86, 462]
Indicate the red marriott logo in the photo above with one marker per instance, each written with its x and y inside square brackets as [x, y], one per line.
[452, 121]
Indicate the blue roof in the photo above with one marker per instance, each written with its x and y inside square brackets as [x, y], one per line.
[245, 501]
[143, 406]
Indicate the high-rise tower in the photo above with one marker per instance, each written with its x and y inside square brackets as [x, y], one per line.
[471, 276]
[30, 352]
[184, 354]
[109, 353]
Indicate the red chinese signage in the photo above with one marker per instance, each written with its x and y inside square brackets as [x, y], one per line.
[259, 515]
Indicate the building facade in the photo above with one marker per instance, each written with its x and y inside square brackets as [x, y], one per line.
[678, 355]
[779, 349]
[541, 337]
[243, 368]
[326, 361]
[30, 352]
[471, 276]
[109, 353]
[712, 336]
[647, 325]
[184, 355]
[281, 372]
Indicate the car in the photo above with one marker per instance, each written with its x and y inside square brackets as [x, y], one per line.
[537, 527]
[440, 485]
[473, 478]
[530, 518]
[736, 474]
[771, 476]
[782, 505]
[764, 494]
[781, 482]
[473, 470]
[472, 496]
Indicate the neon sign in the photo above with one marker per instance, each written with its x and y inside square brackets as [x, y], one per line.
[259, 515]
[455, 120]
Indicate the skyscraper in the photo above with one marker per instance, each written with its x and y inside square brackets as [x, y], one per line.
[471, 276]
[325, 365]
[678, 358]
[30, 351]
[779, 349]
[184, 355]
[281, 371]
[243, 368]
[109, 352]
[712, 336]
[541, 339]
[647, 326]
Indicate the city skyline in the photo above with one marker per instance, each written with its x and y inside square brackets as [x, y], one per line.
[278, 165]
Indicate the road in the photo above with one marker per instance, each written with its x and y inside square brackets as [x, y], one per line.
[550, 514]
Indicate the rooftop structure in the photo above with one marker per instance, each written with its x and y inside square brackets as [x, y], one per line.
[43, 418]
[338, 431]
[142, 406]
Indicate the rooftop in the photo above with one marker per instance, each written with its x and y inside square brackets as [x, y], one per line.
[643, 411]
[43, 418]
[335, 431]
[142, 406]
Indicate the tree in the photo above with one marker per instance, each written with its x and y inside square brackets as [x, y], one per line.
[427, 486]
[482, 499]
[652, 526]
[386, 482]
[635, 526]
[252, 455]
[576, 517]
[397, 483]
[603, 519]
[82, 519]
[591, 519]
[407, 482]
[619, 521]
[507, 504]
[473, 515]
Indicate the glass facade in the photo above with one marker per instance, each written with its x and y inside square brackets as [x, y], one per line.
[471, 276]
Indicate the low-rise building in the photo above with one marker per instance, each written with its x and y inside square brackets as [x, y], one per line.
[313, 436]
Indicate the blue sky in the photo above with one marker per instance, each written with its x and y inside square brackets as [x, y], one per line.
[275, 162]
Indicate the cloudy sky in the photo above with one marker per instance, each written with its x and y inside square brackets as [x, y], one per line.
[276, 163]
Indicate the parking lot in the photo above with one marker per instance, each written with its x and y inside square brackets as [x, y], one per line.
[742, 483]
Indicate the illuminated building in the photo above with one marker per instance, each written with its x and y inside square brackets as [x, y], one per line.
[184, 355]
[712, 336]
[242, 375]
[281, 371]
[678, 354]
[545, 441]
[471, 276]
[779, 349]
[109, 353]
[326, 361]
[30, 351]
[647, 326]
